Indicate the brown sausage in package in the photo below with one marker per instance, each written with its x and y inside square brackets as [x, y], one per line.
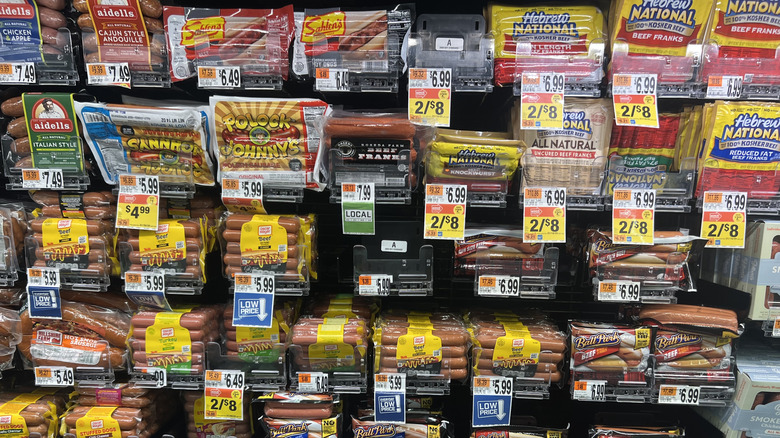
[113, 420]
[329, 344]
[10, 336]
[614, 352]
[293, 405]
[497, 245]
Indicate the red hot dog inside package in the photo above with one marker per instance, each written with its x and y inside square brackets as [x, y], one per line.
[254, 39]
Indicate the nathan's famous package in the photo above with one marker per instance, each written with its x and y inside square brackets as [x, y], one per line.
[169, 142]
[740, 148]
[573, 157]
[524, 34]
[257, 40]
[274, 138]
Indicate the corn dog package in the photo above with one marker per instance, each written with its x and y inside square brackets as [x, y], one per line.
[523, 34]
[257, 40]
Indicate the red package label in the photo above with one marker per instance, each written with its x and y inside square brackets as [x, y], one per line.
[120, 30]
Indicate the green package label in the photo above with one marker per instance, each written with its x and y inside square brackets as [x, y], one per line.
[51, 127]
[357, 217]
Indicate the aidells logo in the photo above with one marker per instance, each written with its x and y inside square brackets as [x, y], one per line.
[212, 28]
[319, 27]
[663, 15]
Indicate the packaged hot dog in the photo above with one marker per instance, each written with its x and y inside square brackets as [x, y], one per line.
[573, 157]
[10, 336]
[199, 427]
[258, 40]
[421, 344]
[88, 205]
[118, 421]
[322, 428]
[416, 426]
[518, 431]
[29, 413]
[274, 140]
[42, 134]
[264, 348]
[293, 405]
[342, 306]
[606, 431]
[124, 395]
[329, 344]
[536, 38]
[496, 250]
[87, 336]
[722, 322]
[168, 142]
[483, 161]
[678, 350]
[13, 229]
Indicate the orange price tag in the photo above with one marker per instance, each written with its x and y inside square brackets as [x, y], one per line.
[207, 72]
[715, 81]
[304, 378]
[418, 73]
[487, 281]
[434, 190]
[213, 375]
[44, 373]
[322, 73]
[6, 69]
[481, 382]
[97, 69]
[31, 174]
[132, 278]
[364, 280]
[581, 385]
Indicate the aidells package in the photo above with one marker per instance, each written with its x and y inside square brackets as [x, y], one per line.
[52, 131]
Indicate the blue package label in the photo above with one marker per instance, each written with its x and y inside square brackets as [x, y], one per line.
[761, 422]
[21, 32]
[44, 302]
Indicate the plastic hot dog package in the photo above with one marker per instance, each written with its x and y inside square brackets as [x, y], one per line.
[605, 431]
[199, 427]
[169, 142]
[10, 336]
[297, 406]
[321, 428]
[258, 40]
[483, 161]
[107, 419]
[383, 148]
[87, 205]
[496, 250]
[342, 306]
[42, 133]
[532, 39]
[273, 140]
[87, 337]
[174, 340]
[527, 347]
[721, 322]
[422, 345]
[518, 431]
[124, 395]
[31, 413]
[416, 426]
[13, 229]
[611, 352]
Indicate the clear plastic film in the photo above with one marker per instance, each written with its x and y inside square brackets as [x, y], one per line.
[13, 229]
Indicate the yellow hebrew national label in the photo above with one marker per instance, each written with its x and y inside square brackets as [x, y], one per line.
[548, 30]
[418, 347]
[330, 344]
[168, 344]
[164, 247]
[658, 27]
[747, 23]
[642, 338]
[12, 424]
[65, 239]
[263, 244]
[97, 423]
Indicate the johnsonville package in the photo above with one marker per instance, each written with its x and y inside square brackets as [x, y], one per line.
[274, 138]
[168, 142]
[251, 38]
[740, 148]
[31, 31]
[528, 32]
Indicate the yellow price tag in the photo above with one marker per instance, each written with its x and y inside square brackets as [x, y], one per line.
[138, 204]
[223, 404]
[544, 215]
[541, 101]
[723, 219]
[430, 96]
[633, 216]
[639, 113]
[445, 211]
[635, 99]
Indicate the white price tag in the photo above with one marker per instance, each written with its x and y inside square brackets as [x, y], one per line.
[252, 282]
[331, 79]
[679, 395]
[724, 87]
[219, 77]
[17, 73]
[47, 277]
[619, 290]
[42, 179]
[227, 379]
[390, 382]
[109, 73]
[374, 285]
[146, 281]
[313, 382]
[493, 385]
[358, 192]
[498, 285]
[590, 390]
[776, 328]
[160, 376]
[54, 376]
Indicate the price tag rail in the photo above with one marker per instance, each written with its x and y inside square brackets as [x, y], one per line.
[531, 388]
[584, 73]
[391, 185]
[537, 277]
[410, 277]
[678, 76]
[260, 375]
[146, 75]
[673, 193]
[289, 285]
[94, 377]
[187, 382]
[619, 389]
[71, 277]
[71, 180]
[758, 80]
[339, 382]
[176, 283]
[716, 388]
[650, 292]
[583, 190]
[291, 195]
[433, 384]
[668, 279]
[53, 70]
[251, 76]
[759, 200]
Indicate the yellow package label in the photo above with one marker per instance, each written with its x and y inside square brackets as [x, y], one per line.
[547, 30]
[420, 350]
[65, 240]
[342, 299]
[660, 28]
[98, 423]
[255, 341]
[642, 338]
[747, 23]
[336, 310]
[13, 424]
[164, 248]
[27, 398]
[457, 160]
[263, 245]
[419, 321]
[516, 349]
[329, 427]
[168, 344]
[434, 431]
[330, 346]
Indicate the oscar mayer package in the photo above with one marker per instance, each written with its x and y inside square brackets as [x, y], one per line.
[122, 31]
[573, 157]
[293, 405]
[740, 149]
[483, 161]
[31, 31]
[610, 352]
[329, 345]
[26, 415]
[168, 142]
[200, 427]
[652, 28]
[273, 138]
[250, 38]
[523, 34]
[260, 345]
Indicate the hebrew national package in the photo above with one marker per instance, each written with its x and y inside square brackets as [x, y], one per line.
[548, 30]
[741, 148]
[746, 28]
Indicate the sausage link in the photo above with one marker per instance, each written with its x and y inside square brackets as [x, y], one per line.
[236, 220]
[51, 18]
[13, 107]
[17, 127]
[56, 5]
[21, 146]
[151, 8]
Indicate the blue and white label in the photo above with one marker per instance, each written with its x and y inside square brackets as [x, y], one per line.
[253, 302]
[492, 401]
[390, 398]
[44, 302]
[147, 290]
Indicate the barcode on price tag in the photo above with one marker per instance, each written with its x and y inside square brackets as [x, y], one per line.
[374, 285]
[17, 73]
[619, 290]
[219, 77]
[42, 179]
[54, 376]
[498, 285]
[331, 79]
[107, 73]
[313, 382]
[590, 390]
[679, 395]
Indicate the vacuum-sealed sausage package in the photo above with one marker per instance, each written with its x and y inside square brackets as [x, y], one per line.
[41, 146]
[257, 41]
[34, 414]
[353, 50]
[296, 406]
[14, 227]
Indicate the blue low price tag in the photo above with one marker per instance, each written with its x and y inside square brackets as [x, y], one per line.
[492, 401]
[253, 300]
[390, 397]
[44, 302]
[147, 289]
